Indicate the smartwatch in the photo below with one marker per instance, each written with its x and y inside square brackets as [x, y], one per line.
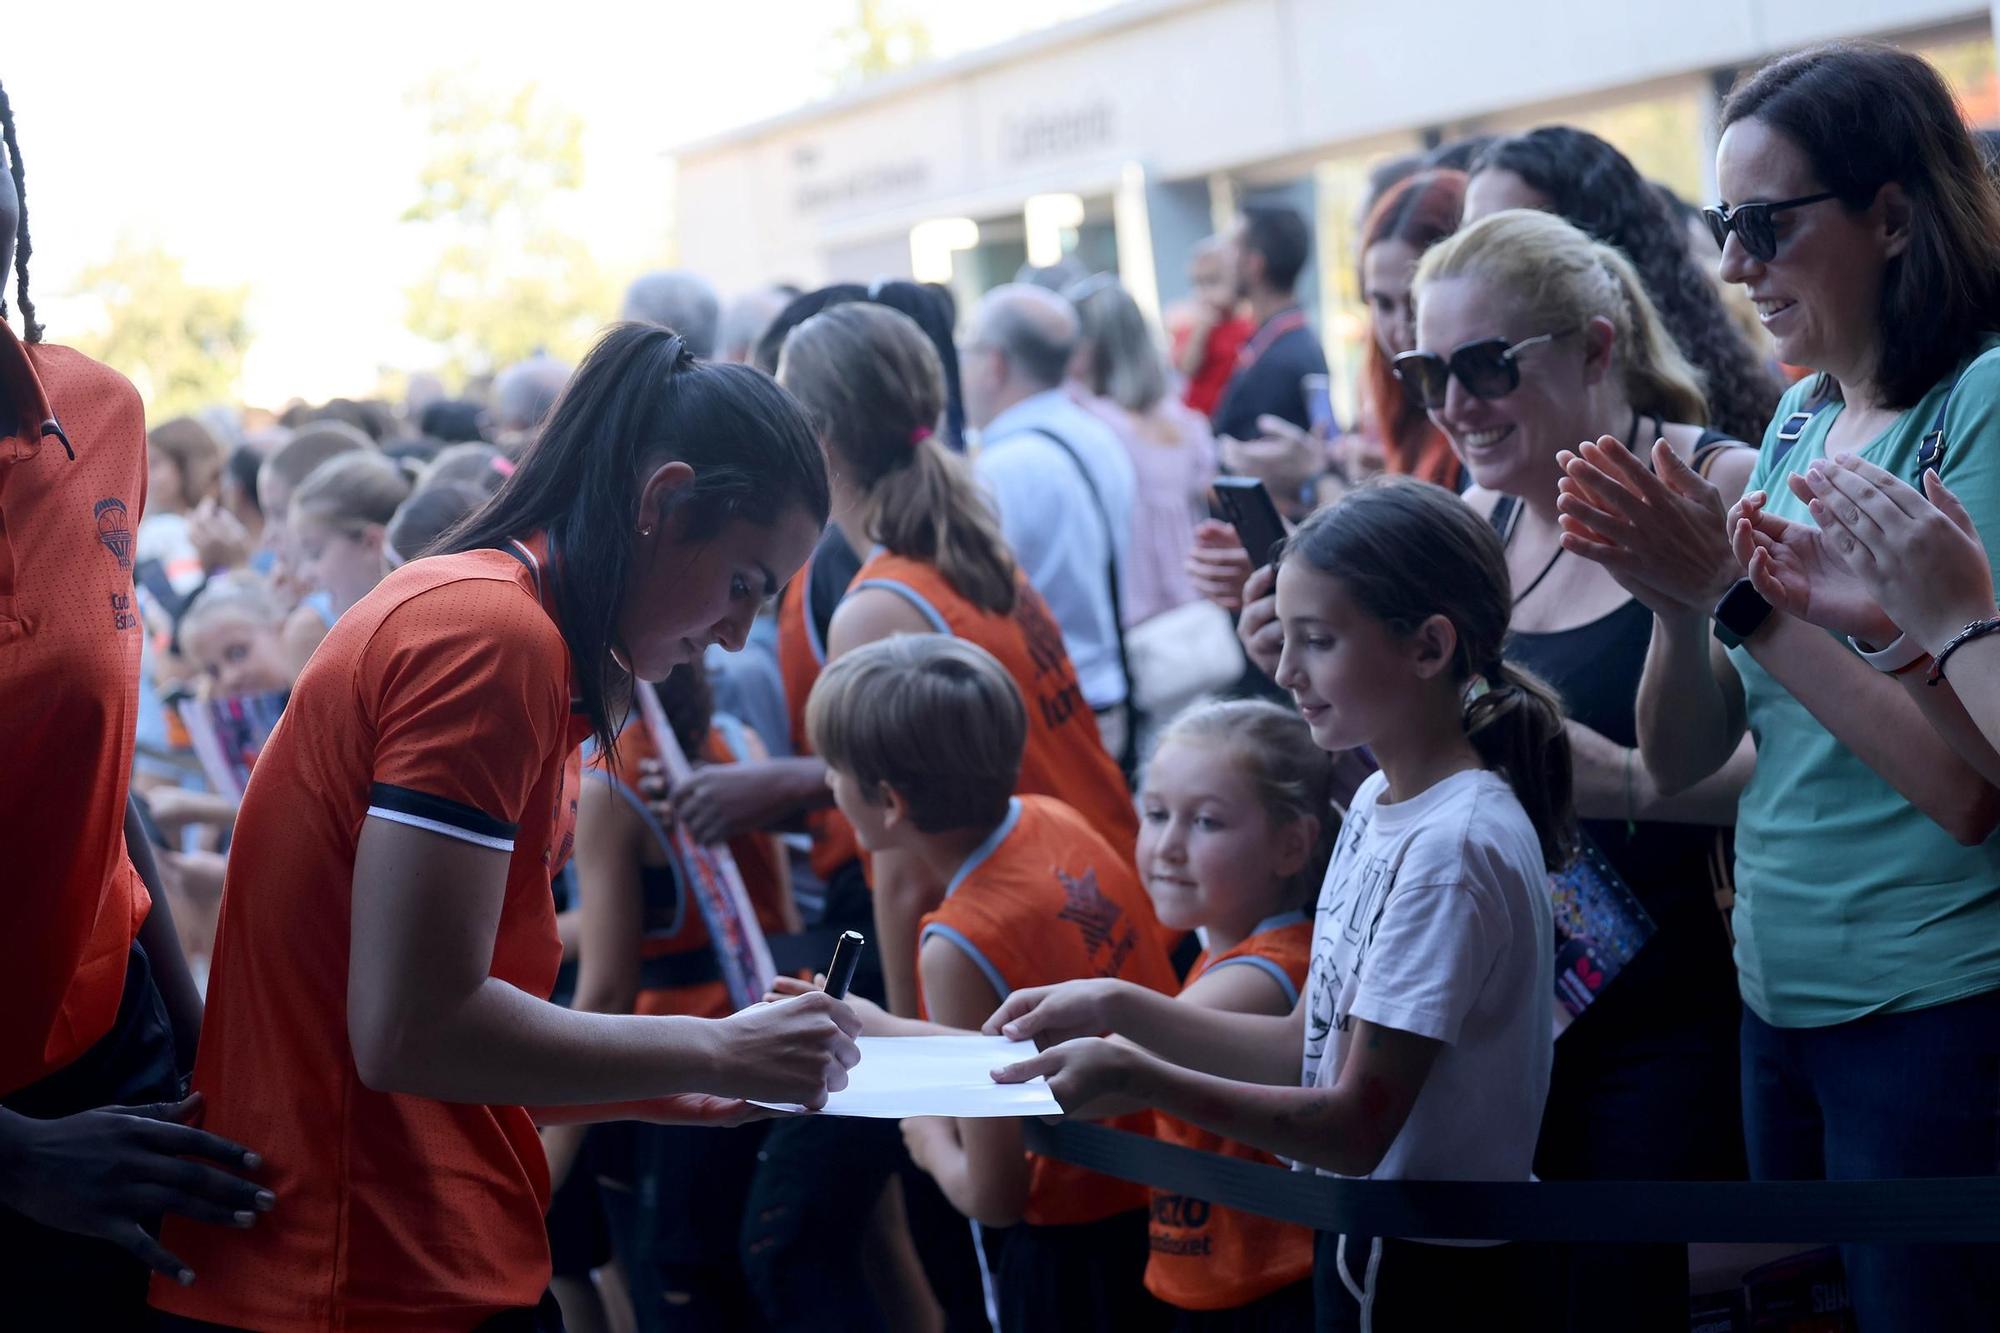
[1741, 613]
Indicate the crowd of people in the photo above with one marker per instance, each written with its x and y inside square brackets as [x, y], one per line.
[1597, 782]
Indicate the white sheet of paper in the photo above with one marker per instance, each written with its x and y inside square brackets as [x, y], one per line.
[906, 1076]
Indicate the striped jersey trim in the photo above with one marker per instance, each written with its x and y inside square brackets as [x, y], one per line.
[971, 951]
[437, 814]
[1265, 965]
[913, 597]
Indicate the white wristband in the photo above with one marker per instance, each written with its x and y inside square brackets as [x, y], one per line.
[1900, 653]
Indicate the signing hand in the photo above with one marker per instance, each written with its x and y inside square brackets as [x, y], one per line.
[1046, 1015]
[1661, 534]
[1092, 1078]
[795, 1050]
[1217, 564]
[872, 1016]
[1917, 554]
[1257, 629]
[1794, 567]
[109, 1173]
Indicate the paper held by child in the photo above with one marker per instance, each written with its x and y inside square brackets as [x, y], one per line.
[908, 1076]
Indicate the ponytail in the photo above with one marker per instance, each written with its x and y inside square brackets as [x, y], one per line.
[1406, 551]
[929, 510]
[875, 389]
[641, 399]
[1516, 725]
[1659, 381]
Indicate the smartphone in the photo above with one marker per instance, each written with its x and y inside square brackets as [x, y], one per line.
[1244, 504]
[1319, 404]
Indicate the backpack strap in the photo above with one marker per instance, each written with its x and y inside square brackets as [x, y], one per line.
[1127, 761]
[1794, 426]
[1930, 454]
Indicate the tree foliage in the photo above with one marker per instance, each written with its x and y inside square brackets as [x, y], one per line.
[180, 343]
[507, 279]
[879, 40]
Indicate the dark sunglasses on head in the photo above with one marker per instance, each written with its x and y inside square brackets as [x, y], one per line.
[1489, 368]
[1753, 224]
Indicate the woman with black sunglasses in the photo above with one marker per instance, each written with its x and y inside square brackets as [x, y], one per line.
[1551, 339]
[1862, 220]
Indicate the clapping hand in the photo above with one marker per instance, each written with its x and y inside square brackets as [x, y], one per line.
[1660, 533]
[1917, 555]
[1794, 567]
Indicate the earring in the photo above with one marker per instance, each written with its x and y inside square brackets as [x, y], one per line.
[646, 532]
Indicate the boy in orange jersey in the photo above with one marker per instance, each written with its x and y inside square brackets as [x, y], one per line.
[923, 736]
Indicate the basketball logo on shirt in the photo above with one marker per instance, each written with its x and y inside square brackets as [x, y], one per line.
[114, 529]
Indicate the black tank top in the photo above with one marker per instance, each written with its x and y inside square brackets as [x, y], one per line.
[1684, 972]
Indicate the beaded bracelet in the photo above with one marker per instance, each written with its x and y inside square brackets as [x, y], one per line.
[1978, 629]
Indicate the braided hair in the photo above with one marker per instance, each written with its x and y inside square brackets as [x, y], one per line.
[22, 245]
[1597, 189]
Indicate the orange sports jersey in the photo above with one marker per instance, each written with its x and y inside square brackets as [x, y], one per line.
[69, 673]
[801, 657]
[1065, 756]
[677, 969]
[1206, 1257]
[441, 701]
[1048, 899]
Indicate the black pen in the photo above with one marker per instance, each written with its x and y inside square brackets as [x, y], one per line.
[840, 972]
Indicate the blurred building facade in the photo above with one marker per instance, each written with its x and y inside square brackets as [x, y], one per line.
[1124, 137]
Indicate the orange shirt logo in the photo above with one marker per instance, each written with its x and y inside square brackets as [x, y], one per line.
[114, 529]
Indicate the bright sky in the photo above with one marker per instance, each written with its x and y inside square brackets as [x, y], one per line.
[270, 144]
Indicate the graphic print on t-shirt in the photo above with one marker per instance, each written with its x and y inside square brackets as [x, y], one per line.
[1350, 909]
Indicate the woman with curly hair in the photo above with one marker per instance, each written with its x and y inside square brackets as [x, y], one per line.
[1572, 173]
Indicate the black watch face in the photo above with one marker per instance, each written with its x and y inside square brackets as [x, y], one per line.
[1742, 609]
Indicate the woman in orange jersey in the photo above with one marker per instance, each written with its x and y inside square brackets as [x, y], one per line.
[924, 737]
[1236, 824]
[98, 1016]
[375, 1012]
[675, 1192]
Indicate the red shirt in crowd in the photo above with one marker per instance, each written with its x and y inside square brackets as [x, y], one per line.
[1218, 361]
[69, 678]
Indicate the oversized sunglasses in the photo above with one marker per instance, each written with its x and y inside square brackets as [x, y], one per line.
[1489, 368]
[1753, 224]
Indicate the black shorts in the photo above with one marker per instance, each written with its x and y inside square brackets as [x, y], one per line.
[53, 1279]
[1407, 1285]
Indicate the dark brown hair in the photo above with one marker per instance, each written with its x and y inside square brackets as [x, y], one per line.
[1405, 551]
[873, 385]
[1866, 115]
[641, 399]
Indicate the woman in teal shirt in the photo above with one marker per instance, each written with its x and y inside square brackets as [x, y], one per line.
[1867, 920]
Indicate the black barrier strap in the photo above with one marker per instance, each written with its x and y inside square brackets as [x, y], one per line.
[1804, 1212]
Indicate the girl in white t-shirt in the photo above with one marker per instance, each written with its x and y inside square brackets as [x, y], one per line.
[1425, 1025]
